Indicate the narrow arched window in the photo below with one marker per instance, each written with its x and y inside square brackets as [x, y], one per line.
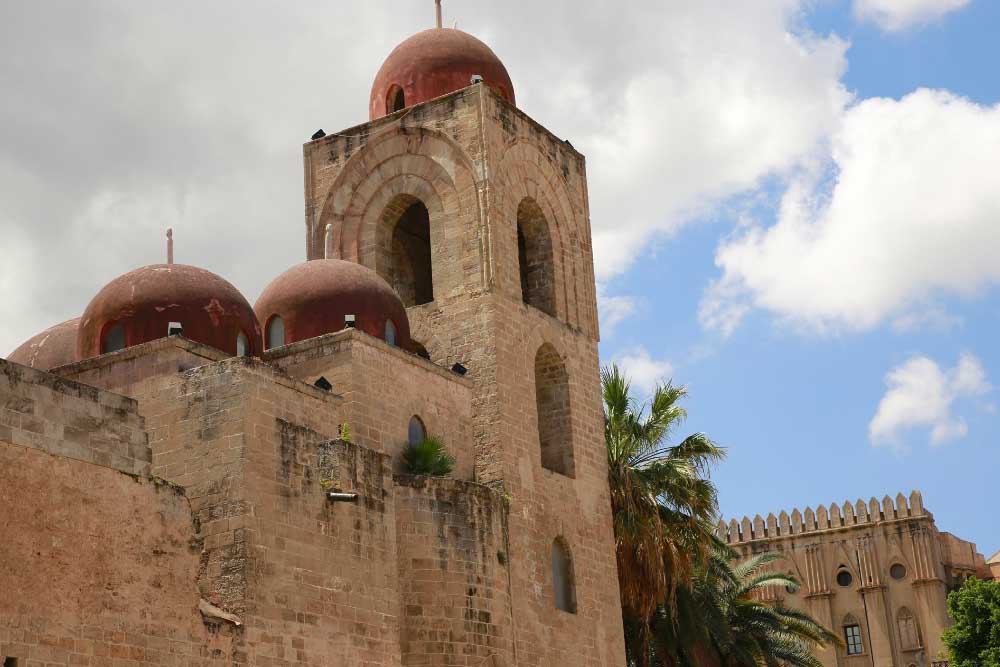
[552, 404]
[113, 339]
[395, 100]
[390, 332]
[409, 250]
[242, 345]
[275, 332]
[535, 257]
[852, 636]
[909, 631]
[416, 433]
[563, 584]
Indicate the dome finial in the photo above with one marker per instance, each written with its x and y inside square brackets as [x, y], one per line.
[170, 245]
[437, 5]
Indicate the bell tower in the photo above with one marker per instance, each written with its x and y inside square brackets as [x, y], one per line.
[478, 217]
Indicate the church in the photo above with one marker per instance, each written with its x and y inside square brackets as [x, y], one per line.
[187, 479]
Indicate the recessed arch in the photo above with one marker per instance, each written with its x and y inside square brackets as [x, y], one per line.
[390, 332]
[406, 245]
[536, 264]
[113, 338]
[395, 99]
[275, 332]
[243, 347]
[553, 409]
[563, 577]
[416, 432]
[909, 630]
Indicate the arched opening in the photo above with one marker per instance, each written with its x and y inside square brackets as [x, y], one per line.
[409, 255]
[416, 433]
[552, 402]
[390, 332]
[113, 338]
[909, 631]
[563, 584]
[535, 257]
[395, 100]
[242, 345]
[275, 332]
[852, 636]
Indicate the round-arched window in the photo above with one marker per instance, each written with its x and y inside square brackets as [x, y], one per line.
[114, 339]
[242, 345]
[275, 332]
[416, 432]
[562, 577]
[844, 578]
[897, 571]
[390, 332]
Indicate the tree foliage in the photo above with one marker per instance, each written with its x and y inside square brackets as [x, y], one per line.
[428, 457]
[974, 640]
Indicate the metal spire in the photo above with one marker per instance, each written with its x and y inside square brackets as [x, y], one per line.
[437, 4]
[170, 246]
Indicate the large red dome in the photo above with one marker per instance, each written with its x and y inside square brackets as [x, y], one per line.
[433, 63]
[53, 347]
[313, 298]
[139, 306]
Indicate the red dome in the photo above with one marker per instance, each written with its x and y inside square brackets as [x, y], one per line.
[433, 63]
[53, 347]
[312, 299]
[145, 301]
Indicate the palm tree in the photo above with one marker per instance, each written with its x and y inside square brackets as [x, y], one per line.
[720, 619]
[661, 500]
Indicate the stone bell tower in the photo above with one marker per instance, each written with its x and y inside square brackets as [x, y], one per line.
[478, 216]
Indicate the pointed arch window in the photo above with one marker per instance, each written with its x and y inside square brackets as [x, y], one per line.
[113, 338]
[909, 631]
[563, 583]
[852, 636]
[552, 403]
[275, 332]
[407, 250]
[535, 257]
[242, 345]
[395, 100]
[416, 432]
[390, 332]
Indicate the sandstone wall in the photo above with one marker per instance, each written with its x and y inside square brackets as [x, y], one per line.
[382, 388]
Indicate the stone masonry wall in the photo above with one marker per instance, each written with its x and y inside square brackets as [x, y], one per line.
[383, 387]
[70, 419]
[453, 579]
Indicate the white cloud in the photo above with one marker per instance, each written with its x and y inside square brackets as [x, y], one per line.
[912, 214]
[895, 15]
[642, 370]
[613, 310]
[921, 393]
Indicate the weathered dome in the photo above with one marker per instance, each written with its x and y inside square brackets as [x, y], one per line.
[312, 299]
[140, 306]
[53, 347]
[433, 63]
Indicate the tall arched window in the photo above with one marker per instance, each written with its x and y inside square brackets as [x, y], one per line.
[275, 332]
[416, 432]
[909, 631]
[409, 252]
[113, 339]
[390, 332]
[395, 100]
[242, 345]
[535, 258]
[552, 403]
[563, 584]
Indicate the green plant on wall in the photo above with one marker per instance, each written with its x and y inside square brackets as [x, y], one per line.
[428, 457]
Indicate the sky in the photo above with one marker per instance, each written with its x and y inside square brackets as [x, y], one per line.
[795, 203]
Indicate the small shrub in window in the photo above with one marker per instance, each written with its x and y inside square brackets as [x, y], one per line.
[428, 457]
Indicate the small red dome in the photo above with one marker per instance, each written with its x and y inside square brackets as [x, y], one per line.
[144, 302]
[313, 298]
[53, 347]
[433, 63]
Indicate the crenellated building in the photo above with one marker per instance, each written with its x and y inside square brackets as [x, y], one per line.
[186, 479]
[876, 572]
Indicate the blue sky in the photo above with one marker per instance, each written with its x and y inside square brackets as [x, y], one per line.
[794, 406]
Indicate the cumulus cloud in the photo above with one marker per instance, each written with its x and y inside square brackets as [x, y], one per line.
[613, 310]
[922, 394]
[895, 15]
[906, 213]
[643, 370]
[121, 119]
